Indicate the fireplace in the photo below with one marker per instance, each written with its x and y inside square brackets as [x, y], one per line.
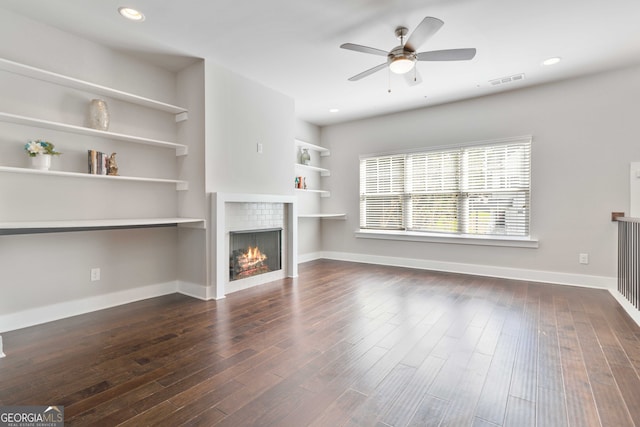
[254, 252]
[237, 213]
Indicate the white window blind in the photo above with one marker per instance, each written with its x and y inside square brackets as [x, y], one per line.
[474, 190]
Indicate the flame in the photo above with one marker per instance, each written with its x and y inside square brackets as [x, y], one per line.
[253, 257]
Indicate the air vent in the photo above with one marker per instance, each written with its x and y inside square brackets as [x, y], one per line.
[508, 79]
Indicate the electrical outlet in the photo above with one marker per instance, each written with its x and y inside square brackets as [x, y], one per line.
[95, 274]
[583, 258]
[259, 148]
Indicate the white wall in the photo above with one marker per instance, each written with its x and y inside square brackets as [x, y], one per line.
[192, 242]
[240, 114]
[40, 271]
[584, 136]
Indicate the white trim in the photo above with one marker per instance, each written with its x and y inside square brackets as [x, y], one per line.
[497, 141]
[553, 277]
[1, 352]
[220, 262]
[412, 236]
[312, 256]
[49, 313]
[195, 290]
[250, 282]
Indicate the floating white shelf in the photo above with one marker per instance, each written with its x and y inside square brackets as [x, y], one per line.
[48, 76]
[324, 215]
[180, 185]
[181, 149]
[100, 223]
[322, 150]
[323, 193]
[323, 171]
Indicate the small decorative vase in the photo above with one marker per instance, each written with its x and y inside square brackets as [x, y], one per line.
[41, 162]
[98, 115]
[305, 157]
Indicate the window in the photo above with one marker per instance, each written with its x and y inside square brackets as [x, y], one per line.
[479, 190]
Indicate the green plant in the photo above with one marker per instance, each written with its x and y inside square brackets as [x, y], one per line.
[38, 146]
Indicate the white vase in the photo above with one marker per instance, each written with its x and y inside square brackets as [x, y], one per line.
[98, 115]
[41, 162]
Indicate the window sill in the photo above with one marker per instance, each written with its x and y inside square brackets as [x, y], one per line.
[507, 241]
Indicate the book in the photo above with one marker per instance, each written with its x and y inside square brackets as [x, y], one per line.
[97, 162]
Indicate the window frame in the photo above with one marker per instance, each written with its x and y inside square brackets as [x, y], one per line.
[461, 194]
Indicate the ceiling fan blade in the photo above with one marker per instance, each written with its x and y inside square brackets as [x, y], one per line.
[364, 49]
[368, 72]
[427, 28]
[413, 77]
[447, 55]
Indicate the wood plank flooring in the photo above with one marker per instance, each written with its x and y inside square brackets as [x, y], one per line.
[345, 344]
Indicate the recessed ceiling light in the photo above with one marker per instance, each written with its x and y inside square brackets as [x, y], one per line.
[334, 110]
[131, 14]
[551, 61]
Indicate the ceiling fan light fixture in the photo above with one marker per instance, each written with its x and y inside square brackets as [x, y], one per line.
[131, 14]
[551, 61]
[402, 64]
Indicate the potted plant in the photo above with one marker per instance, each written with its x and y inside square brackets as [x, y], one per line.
[40, 152]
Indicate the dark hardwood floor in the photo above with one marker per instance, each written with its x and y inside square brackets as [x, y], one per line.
[344, 344]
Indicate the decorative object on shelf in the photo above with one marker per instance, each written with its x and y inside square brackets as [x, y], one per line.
[40, 153]
[112, 166]
[98, 115]
[301, 182]
[305, 157]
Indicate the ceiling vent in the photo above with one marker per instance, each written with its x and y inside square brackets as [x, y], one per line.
[508, 79]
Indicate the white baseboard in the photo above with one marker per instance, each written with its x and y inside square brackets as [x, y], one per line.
[583, 280]
[49, 313]
[312, 256]
[195, 290]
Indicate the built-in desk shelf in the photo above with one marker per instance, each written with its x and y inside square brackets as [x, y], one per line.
[180, 185]
[324, 216]
[30, 227]
[62, 80]
[181, 150]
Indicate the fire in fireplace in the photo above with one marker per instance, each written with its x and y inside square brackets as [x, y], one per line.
[254, 252]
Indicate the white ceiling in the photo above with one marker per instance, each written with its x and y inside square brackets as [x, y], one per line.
[292, 46]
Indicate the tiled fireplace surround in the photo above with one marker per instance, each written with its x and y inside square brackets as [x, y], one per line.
[239, 211]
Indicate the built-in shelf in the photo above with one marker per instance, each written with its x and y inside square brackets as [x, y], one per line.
[323, 171]
[180, 185]
[324, 215]
[323, 193]
[181, 149]
[26, 227]
[322, 150]
[48, 76]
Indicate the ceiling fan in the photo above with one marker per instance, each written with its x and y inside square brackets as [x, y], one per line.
[402, 59]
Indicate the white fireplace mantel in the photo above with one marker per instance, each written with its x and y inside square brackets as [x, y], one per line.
[220, 261]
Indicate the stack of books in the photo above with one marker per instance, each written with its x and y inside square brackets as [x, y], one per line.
[97, 162]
